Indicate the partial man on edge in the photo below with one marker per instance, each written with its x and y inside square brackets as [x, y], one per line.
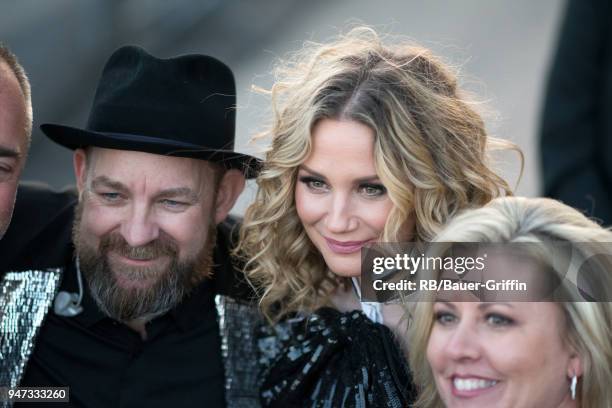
[15, 130]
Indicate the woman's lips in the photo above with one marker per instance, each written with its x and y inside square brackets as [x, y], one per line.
[345, 247]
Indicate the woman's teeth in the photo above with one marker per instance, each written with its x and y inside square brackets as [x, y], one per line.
[469, 384]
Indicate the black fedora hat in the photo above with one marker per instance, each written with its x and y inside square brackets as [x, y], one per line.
[183, 106]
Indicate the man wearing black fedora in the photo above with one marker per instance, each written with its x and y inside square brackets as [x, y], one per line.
[124, 290]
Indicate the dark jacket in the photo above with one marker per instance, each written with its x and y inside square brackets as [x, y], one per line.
[576, 138]
[38, 246]
[39, 235]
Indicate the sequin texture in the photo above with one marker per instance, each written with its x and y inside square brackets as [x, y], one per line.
[237, 324]
[333, 359]
[25, 299]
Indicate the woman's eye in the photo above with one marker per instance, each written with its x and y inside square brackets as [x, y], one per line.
[373, 190]
[314, 183]
[496, 319]
[445, 318]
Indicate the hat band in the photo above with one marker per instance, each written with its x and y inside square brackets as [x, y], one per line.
[151, 139]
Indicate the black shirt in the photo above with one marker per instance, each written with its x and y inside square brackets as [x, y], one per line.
[107, 364]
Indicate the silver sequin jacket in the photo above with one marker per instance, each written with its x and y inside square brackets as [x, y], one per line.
[33, 255]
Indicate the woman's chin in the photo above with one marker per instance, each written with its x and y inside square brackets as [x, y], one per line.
[345, 271]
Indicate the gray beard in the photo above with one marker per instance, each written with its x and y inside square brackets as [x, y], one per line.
[179, 279]
[133, 303]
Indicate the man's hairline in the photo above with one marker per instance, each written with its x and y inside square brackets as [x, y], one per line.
[8, 59]
[25, 137]
[12, 63]
[217, 170]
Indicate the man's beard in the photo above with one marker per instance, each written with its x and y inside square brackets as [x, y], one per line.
[177, 279]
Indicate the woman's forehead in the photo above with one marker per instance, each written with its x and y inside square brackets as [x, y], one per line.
[341, 144]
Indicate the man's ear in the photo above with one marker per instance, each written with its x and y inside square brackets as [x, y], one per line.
[230, 187]
[79, 162]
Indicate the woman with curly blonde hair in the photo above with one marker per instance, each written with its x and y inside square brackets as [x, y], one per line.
[529, 353]
[369, 142]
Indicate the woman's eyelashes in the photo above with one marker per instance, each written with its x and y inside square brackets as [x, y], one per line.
[492, 319]
[314, 184]
[369, 190]
[498, 320]
[444, 318]
[372, 189]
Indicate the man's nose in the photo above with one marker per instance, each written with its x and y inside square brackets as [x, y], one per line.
[139, 228]
[340, 217]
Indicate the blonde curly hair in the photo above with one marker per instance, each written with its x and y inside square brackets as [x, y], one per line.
[430, 152]
[540, 222]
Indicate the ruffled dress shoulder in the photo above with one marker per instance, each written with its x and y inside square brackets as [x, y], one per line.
[335, 360]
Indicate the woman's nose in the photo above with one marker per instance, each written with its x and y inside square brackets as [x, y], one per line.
[340, 217]
[464, 342]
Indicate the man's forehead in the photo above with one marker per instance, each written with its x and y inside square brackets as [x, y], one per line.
[9, 82]
[5, 71]
[113, 157]
[132, 168]
[12, 113]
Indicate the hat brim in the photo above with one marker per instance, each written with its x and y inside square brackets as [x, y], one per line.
[74, 138]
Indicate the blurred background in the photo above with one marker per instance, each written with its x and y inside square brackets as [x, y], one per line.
[501, 48]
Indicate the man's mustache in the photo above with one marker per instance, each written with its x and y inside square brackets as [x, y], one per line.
[164, 245]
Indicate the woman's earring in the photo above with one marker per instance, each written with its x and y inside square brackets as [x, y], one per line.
[573, 386]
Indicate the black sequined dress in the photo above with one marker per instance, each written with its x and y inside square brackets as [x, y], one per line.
[335, 360]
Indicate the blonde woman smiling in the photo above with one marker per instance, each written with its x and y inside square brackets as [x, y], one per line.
[521, 354]
[369, 142]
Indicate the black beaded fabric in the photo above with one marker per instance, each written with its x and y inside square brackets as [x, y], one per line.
[333, 360]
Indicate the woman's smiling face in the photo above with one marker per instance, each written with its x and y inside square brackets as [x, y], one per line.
[340, 199]
[501, 355]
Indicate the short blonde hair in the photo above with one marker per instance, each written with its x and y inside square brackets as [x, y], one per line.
[430, 152]
[588, 324]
